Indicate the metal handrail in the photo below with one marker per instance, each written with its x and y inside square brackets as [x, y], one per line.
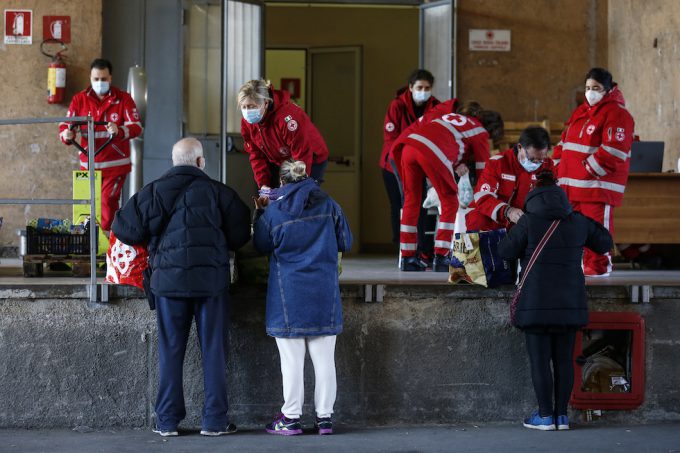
[92, 287]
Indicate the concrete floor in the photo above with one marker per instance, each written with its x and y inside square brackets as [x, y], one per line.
[463, 438]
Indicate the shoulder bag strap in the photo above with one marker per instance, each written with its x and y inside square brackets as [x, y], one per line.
[537, 251]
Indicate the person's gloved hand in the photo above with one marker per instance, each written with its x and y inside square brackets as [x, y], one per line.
[513, 214]
[67, 135]
[261, 202]
[112, 128]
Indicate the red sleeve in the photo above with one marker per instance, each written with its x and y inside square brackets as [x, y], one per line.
[392, 126]
[131, 126]
[296, 132]
[486, 200]
[258, 161]
[72, 111]
[617, 138]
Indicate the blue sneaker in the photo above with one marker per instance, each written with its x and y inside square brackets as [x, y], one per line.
[535, 421]
[284, 426]
[562, 422]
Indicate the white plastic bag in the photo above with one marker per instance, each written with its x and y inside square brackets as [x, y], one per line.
[465, 191]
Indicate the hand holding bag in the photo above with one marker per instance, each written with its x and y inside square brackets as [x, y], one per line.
[534, 256]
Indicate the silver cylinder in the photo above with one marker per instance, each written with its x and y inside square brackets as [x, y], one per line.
[23, 243]
[137, 89]
[137, 159]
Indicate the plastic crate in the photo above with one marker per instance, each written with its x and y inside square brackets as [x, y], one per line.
[57, 244]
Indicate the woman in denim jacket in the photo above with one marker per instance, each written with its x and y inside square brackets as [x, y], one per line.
[303, 231]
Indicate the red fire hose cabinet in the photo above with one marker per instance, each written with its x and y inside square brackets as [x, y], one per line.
[609, 369]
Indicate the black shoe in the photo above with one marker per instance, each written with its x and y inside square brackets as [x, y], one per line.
[412, 264]
[441, 263]
[324, 426]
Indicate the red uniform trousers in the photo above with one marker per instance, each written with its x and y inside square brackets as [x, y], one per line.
[593, 263]
[112, 186]
[415, 166]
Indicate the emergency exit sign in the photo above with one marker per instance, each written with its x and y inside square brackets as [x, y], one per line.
[490, 40]
[18, 26]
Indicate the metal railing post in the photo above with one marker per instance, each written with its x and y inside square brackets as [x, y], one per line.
[93, 210]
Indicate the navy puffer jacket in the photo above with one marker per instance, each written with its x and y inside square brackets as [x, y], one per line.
[554, 293]
[203, 225]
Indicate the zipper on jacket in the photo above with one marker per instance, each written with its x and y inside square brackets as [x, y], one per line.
[580, 135]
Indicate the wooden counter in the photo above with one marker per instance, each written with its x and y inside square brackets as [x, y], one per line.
[650, 213]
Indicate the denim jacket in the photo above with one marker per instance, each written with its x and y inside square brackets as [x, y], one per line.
[303, 231]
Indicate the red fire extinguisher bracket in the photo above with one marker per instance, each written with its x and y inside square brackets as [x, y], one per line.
[625, 391]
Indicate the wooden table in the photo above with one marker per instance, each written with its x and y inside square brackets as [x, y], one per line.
[650, 213]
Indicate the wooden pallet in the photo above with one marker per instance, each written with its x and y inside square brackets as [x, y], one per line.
[79, 264]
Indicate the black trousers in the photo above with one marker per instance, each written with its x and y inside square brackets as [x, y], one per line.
[425, 221]
[545, 348]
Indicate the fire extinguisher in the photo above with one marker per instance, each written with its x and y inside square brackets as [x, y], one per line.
[56, 73]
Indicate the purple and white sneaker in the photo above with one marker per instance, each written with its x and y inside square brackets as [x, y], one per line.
[324, 425]
[284, 426]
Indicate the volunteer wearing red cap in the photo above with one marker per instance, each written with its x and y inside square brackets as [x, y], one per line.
[593, 158]
[275, 130]
[433, 149]
[410, 103]
[507, 179]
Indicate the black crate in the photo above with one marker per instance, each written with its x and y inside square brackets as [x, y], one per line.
[57, 244]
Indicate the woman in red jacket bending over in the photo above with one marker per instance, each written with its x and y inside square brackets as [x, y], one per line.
[593, 158]
[275, 130]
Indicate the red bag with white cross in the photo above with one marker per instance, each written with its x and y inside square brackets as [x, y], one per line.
[125, 264]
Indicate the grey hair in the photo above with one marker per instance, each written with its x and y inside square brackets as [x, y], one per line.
[257, 90]
[186, 152]
[293, 171]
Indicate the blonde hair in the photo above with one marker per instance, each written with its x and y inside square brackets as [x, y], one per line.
[257, 90]
[293, 171]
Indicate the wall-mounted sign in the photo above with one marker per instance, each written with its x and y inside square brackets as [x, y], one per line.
[490, 40]
[18, 26]
[57, 27]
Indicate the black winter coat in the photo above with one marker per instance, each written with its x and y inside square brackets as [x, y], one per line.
[209, 220]
[554, 293]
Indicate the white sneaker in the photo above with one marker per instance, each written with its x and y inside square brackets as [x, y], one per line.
[165, 433]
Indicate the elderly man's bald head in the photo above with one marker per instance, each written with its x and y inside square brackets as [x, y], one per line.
[188, 151]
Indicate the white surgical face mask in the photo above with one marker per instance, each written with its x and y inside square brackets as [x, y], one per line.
[252, 116]
[421, 96]
[594, 97]
[101, 87]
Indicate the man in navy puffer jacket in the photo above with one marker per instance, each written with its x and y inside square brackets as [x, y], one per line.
[190, 223]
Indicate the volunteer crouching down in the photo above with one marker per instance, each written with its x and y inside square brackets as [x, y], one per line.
[507, 179]
[303, 231]
[106, 103]
[189, 223]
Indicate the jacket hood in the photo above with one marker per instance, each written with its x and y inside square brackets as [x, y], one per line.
[280, 98]
[186, 170]
[548, 202]
[615, 96]
[297, 196]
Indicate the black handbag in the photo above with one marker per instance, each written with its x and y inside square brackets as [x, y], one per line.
[146, 281]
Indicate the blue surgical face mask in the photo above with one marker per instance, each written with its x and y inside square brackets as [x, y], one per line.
[421, 96]
[529, 165]
[101, 87]
[252, 116]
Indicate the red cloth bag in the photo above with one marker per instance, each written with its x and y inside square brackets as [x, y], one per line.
[125, 264]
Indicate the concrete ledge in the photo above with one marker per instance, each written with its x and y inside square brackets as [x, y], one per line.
[427, 354]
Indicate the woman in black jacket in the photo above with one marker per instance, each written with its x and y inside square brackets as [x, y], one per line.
[552, 304]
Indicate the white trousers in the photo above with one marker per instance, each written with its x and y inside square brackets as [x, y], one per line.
[322, 353]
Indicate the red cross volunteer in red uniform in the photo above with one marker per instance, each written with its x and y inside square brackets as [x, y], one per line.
[506, 180]
[275, 130]
[410, 103]
[593, 158]
[106, 103]
[433, 149]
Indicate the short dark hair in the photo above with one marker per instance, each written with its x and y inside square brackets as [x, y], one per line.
[420, 74]
[493, 123]
[100, 63]
[535, 136]
[545, 178]
[602, 76]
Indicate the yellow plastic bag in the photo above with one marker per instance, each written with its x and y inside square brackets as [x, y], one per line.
[466, 260]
